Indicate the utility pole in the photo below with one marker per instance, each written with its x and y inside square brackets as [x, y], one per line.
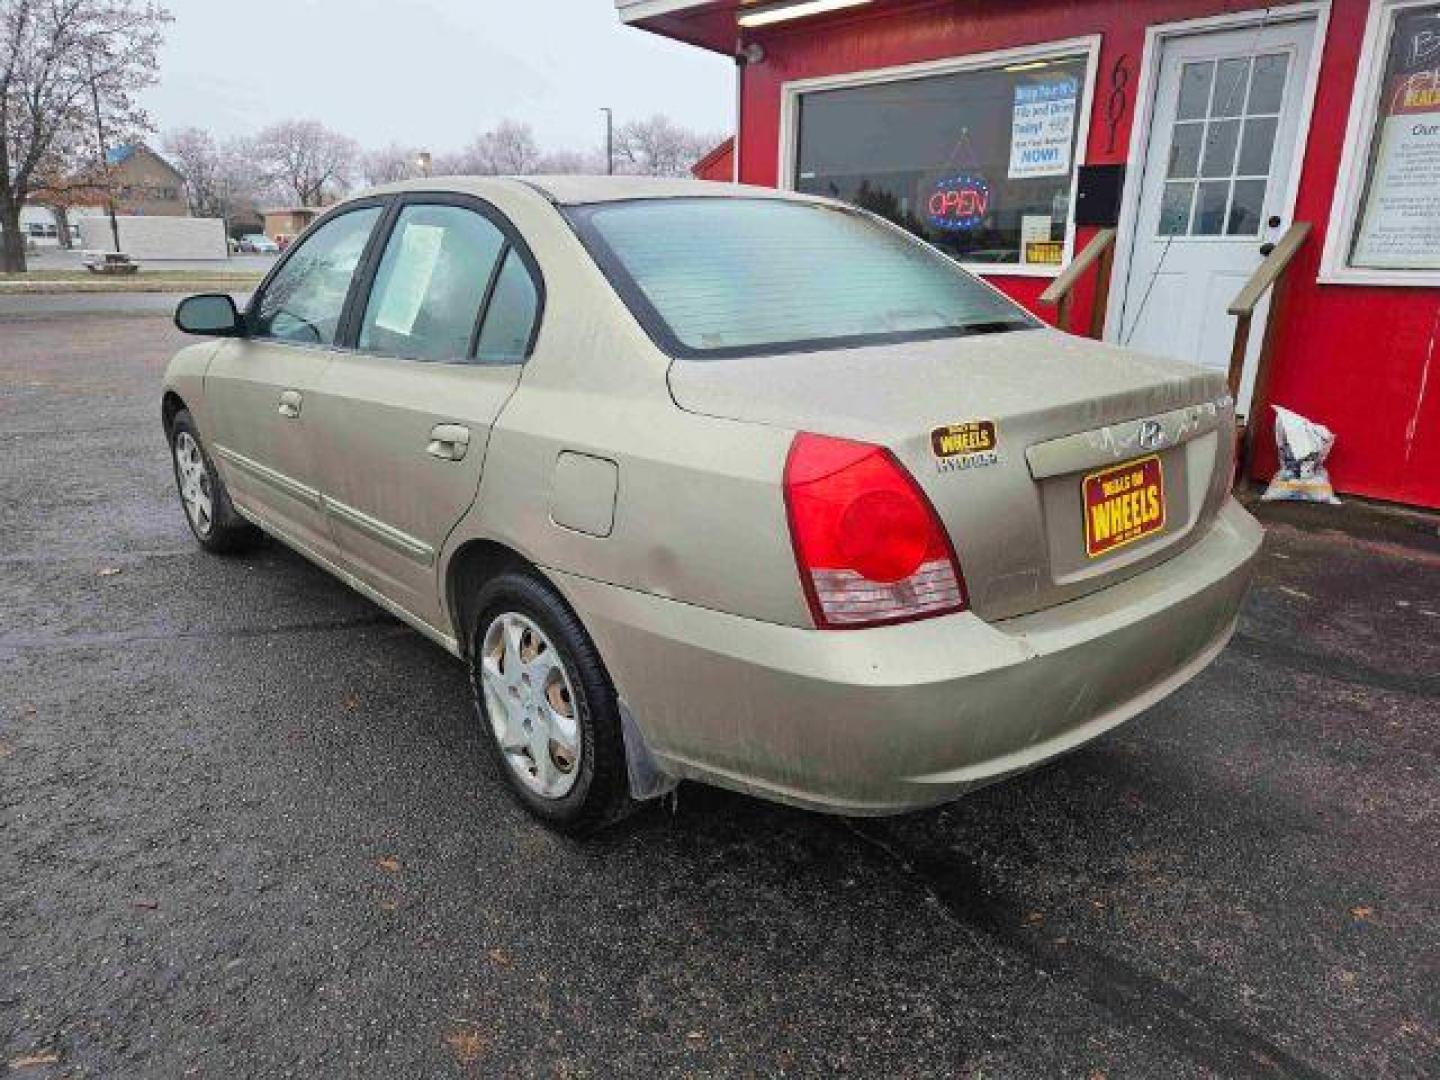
[609, 140]
[100, 140]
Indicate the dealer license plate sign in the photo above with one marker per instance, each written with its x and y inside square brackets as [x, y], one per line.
[1123, 504]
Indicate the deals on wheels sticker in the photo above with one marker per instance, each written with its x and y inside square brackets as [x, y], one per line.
[967, 445]
[1123, 504]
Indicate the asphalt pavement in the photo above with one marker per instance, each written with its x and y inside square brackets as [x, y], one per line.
[246, 829]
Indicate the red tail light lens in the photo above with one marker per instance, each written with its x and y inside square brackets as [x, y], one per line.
[869, 545]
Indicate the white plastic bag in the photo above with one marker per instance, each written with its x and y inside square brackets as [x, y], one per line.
[1303, 446]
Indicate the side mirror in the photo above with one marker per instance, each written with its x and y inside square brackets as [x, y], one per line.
[212, 314]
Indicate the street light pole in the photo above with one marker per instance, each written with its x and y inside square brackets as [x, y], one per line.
[609, 140]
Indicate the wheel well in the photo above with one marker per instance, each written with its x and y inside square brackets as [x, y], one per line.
[475, 563]
[169, 406]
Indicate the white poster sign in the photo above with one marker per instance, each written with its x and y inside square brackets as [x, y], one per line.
[1400, 227]
[414, 267]
[1043, 128]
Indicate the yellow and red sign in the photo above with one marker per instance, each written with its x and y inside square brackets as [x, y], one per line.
[1123, 504]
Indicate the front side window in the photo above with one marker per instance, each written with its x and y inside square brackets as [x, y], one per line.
[979, 163]
[1397, 218]
[712, 277]
[306, 298]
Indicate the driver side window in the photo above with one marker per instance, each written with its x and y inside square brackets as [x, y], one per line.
[304, 301]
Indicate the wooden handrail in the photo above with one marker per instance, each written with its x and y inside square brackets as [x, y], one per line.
[1268, 275]
[1276, 262]
[1061, 291]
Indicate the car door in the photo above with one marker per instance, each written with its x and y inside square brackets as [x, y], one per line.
[403, 420]
[258, 387]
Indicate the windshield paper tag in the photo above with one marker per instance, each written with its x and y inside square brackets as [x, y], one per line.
[968, 445]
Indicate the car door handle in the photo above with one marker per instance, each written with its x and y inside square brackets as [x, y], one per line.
[448, 442]
[290, 402]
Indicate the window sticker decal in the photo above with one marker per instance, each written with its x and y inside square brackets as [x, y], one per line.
[408, 284]
[970, 444]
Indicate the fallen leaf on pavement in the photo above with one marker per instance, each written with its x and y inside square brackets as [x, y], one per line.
[30, 1060]
[389, 864]
[499, 957]
[467, 1046]
[351, 702]
[1362, 912]
[145, 902]
[108, 571]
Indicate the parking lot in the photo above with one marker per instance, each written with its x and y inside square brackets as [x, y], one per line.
[246, 829]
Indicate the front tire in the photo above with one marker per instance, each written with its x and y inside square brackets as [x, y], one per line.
[549, 712]
[208, 509]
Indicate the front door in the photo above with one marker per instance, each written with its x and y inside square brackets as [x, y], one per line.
[260, 388]
[1214, 187]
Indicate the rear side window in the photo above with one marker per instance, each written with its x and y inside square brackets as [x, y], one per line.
[510, 319]
[714, 277]
[304, 300]
[432, 283]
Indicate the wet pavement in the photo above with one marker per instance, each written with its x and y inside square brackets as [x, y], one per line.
[246, 829]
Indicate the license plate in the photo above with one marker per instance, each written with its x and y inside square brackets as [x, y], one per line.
[1123, 504]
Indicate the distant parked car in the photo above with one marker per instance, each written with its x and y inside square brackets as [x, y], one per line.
[718, 483]
[259, 244]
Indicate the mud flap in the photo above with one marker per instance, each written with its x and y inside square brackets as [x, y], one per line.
[647, 780]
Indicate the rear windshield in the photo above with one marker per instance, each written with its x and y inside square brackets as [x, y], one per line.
[715, 277]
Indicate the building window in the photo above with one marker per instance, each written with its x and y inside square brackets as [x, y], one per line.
[1385, 225]
[978, 157]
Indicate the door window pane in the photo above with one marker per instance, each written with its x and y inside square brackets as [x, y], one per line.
[1220, 140]
[1256, 147]
[1175, 209]
[431, 283]
[1232, 78]
[1246, 207]
[304, 301]
[1210, 208]
[1195, 91]
[1267, 85]
[979, 163]
[1185, 150]
[510, 318]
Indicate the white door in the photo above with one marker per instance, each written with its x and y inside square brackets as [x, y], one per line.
[1214, 187]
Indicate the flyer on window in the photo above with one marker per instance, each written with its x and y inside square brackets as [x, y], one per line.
[1400, 219]
[1043, 128]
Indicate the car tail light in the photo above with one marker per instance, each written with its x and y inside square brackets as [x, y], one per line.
[869, 545]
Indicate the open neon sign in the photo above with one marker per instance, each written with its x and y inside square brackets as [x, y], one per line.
[959, 203]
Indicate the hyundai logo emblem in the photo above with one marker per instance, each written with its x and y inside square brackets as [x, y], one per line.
[1152, 435]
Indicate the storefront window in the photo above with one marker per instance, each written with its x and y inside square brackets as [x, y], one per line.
[978, 162]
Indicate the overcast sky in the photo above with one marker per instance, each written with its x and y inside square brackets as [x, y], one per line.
[429, 73]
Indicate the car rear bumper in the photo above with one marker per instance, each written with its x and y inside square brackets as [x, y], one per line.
[900, 717]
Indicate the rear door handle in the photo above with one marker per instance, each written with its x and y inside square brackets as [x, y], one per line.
[290, 402]
[448, 442]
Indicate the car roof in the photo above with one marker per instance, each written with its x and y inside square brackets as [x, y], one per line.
[578, 190]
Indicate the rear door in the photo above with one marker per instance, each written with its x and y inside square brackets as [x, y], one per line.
[404, 418]
[260, 389]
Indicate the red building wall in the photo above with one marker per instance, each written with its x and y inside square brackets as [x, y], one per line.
[1356, 358]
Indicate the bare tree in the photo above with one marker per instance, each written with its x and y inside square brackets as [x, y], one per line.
[559, 162]
[508, 149]
[66, 67]
[221, 179]
[389, 165]
[659, 147]
[306, 160]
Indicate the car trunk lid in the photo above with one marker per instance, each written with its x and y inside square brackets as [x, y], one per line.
[1058, 465]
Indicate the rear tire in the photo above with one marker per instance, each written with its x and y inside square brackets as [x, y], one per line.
[208, 510]
[549, 711]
